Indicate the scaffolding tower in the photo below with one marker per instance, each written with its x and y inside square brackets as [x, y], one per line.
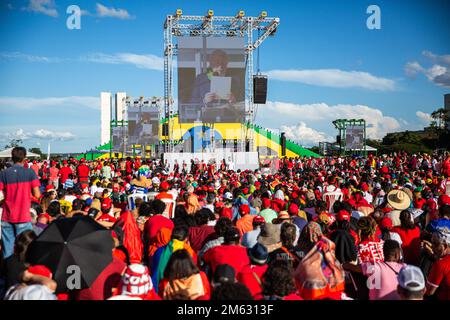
[254, 29]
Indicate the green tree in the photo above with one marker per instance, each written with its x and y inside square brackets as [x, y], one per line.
[14, 143]
[440, 116]
[36, 150]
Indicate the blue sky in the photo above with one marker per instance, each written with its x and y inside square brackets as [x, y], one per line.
[323, 63]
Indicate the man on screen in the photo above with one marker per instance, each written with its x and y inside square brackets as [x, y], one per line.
[218, 67]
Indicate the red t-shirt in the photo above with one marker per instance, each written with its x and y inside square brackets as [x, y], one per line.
[197, 236]
[251, 276]
[83, 171]
[439, 277]
[16, 183]
[234, 255]
[102, 287]
[64, 172]
[153, 224]
[54, 173]
[410, 244]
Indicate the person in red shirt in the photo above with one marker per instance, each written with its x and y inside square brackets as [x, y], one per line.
[163, 194]
[103, 286]
[199, 233]
[252, 274]
[18, 185]
[35, 168]
[410, 235]
[54, 175]
[230, 252]
[83, 172]
[245, 223]
[439, 278]
[64, 172]
[157, 221]
[129, 166]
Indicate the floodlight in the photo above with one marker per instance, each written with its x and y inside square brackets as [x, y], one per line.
[210, 13]
[240, 14]
[179, 12]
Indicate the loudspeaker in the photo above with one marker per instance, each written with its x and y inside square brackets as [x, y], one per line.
[283, 144]
[116, 155]
[165, 129]
[247, 146]
[259, 89]
[338, 139]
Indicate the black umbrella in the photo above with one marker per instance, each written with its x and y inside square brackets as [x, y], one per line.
[69, 245]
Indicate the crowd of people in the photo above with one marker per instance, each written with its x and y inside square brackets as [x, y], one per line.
[340, 228]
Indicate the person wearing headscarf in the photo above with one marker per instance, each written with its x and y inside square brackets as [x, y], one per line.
[162, 255]
[192, 205]
[319, 274]
[131, 236]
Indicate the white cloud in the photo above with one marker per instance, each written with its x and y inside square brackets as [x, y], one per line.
[27, 57]
[317, 114]
[304, 135]
[424, 118]
[334, 78]
[148, 61]
[46, 7]
[103, 11]
[39, 134]
[438, 73]
[22, 103]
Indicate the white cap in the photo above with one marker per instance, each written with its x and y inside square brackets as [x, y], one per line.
[228, 196]
[32, 292]
[155, 180]
[411, 278]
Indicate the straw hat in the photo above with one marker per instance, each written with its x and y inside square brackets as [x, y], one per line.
[398, 199]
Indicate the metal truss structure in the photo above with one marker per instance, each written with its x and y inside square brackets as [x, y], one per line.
[254, 29]
[341, 125]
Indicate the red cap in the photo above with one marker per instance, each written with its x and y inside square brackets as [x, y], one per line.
[364, 187]
[266, 203]
[211, 189]
[386, 223]
[40, 270]
[259, 219]
[227, 212]
[444, 200]
[82, 160]
[106, 203]
[294, 195]
[164, 186]
[64, 161]
[293, 209]
[257, 184]
[343, 215]
[244, 209]
[49, 187]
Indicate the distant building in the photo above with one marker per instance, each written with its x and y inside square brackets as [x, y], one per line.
[105, 117]
[111, 111]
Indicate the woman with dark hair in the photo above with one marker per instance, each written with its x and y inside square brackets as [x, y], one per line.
[370, 248]
[287, 251]
[278, 282]
[410, 235]
[14, 265]
[183, 280]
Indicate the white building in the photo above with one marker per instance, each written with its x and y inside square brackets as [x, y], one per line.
[105, 117]
[111, 111]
